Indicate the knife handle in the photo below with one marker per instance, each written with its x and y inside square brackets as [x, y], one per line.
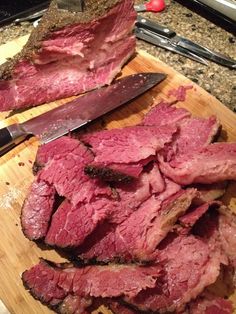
[154, 27]
[11, 136]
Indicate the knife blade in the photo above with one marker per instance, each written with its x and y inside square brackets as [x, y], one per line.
[163, 42]
[180, 43]
[80, 111]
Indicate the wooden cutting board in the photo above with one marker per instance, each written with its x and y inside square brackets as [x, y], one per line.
[16, 252]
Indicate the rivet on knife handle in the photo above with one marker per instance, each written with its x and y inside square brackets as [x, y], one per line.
[10, 136]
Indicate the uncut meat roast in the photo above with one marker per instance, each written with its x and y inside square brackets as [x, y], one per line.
[69, 53]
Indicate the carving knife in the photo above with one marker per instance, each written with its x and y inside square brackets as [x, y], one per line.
[80, 111]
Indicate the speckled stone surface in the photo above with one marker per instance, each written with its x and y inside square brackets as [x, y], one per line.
[217, 80]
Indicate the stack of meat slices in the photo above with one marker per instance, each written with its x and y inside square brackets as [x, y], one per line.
[140, 203]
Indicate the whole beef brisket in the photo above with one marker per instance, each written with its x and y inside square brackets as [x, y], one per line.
[69, 53]
[53, 283]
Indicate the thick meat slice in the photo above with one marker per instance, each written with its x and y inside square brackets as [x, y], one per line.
[216, 162]
[188, 138]
[69, 53]
[208, 303]
[164, 114]
[70, 225]
[227, 231]
[53, 283]
[189, 266]
[194, 134]
[195, 213]
[117, 172]
[130, 144]
[62, 146]
[114, 172]
[66, 174]
[155, 219]
[37, 210]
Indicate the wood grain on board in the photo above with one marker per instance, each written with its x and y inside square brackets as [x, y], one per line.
[16, 252]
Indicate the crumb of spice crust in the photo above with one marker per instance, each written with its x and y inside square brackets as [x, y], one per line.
[7, 183]
[21, 164]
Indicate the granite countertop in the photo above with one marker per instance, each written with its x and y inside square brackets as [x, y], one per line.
[217, 80]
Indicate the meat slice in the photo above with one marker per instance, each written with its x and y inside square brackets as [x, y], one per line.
[227, 231]
[69, 53]
[208, 303]
[117, 172]
[114, 172]
[66, 174]
[70, 225]
[37, 210]
[214, 163]
[190, 265]
[62, 146]
[164, 113]
[195, 213]
[54, 283]
[194, 134]
[155, 218]
[128, 145]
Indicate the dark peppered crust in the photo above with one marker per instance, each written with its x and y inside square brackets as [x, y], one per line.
[53, 20]
[106, 174]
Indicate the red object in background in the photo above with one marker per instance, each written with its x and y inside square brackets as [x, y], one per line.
[151, 6]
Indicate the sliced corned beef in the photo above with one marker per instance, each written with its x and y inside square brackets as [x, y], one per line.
[227, 231]
[155, 219]
[164, 114]
[61, 146]
[117, 172]
[54, 283]
[194, 134]
[70, 224]
[114, 172]
[66, 174]
[214, 163]
[194, 213]
[188, 138]
[189, 264]
[132, 195]
[130, 144]
[69, 53]
[208, 303]
[37, 210]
